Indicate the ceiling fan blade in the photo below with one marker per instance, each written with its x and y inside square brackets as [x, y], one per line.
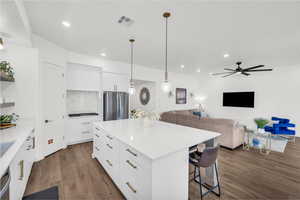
[229, 74]
[260, 70]
[258, 66]
[229, 69]
[247, 74]
[214, 74]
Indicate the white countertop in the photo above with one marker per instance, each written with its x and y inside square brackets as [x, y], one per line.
[18, 134]
[155, 139]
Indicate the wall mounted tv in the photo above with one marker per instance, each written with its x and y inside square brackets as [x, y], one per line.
[239, 99]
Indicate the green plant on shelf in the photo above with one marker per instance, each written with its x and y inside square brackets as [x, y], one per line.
[6, 68]
[261, 123]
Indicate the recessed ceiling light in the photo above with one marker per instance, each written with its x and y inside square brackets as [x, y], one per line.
[181, 66]
[198, 70]
[103, 54]
[66, 24]
[226, 55]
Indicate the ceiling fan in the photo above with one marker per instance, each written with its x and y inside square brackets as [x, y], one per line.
[244, 71]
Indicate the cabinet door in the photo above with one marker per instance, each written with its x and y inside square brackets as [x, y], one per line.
[20, 169]
[83, 78]
[115, 82]
[123, 83]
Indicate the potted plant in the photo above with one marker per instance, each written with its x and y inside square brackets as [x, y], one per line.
[6, 70]
[261, 123]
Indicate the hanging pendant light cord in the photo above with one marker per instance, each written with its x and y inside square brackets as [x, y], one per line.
[166, 61]
[131, 71]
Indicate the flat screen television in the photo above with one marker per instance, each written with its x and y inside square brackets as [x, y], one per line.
[239, 99]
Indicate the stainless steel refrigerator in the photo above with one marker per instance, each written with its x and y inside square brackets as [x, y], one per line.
[115, 105]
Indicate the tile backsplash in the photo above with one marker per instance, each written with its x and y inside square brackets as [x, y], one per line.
[82, 102]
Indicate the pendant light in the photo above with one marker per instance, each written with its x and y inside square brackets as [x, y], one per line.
[131, 86]
[166, 86]
[1, 44]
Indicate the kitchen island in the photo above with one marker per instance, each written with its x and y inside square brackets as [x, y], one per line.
[149, 159]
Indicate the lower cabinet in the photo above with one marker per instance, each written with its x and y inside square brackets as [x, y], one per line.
[130, 170]
[79, 129]
[20, 168]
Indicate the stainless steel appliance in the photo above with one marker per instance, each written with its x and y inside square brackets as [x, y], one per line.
[115, 105]
[4, 186]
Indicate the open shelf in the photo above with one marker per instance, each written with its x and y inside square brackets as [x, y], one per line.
[4, 77]
[7, 104]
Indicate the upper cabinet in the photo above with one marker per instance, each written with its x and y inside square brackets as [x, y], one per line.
[115, 82]
[83, 77]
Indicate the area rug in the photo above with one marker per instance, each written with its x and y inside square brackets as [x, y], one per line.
[48, 194]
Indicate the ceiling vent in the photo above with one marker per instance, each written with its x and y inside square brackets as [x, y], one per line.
[126, 21]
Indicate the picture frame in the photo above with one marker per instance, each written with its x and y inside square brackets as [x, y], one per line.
[181, 95]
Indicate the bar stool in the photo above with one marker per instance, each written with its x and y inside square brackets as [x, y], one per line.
[205, 159]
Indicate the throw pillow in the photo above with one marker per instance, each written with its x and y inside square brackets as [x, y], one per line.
[197, 113]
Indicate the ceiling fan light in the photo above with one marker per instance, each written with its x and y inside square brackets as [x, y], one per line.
[166, 86]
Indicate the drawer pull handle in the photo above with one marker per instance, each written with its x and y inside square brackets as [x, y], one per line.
[97, 148]
[21, 165]
[128, 150]
[97, 135]
[109, 146]
[109, 163]
[97, 129]
[109, 137]
[132, 165]
[85, 123]
[85, 132]
[131, 188]
[33, 142]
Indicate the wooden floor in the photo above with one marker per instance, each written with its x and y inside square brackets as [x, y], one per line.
[244, 175]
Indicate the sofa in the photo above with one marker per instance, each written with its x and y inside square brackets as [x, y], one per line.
[232, 134]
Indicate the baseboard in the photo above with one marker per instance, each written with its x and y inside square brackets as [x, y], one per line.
[80, 141]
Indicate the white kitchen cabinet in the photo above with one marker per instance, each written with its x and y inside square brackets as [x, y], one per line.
[79, 129]
[20, 168]
[130, 170]
[82, 77]
[146, 163]
[115, 82]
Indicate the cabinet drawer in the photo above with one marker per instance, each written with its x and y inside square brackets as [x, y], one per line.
[131, 154]
[136, 185]
[109, 142]
[98, 129]
[109, 163]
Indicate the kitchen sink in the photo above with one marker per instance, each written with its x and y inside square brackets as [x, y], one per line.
[4, 147]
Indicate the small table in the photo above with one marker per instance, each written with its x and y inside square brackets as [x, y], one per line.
[256, 140]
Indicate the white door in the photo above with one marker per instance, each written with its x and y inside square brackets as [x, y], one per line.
[53, 107]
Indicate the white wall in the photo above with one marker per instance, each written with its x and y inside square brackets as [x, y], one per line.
[135, 102]
[276, 94]
[164, 103]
